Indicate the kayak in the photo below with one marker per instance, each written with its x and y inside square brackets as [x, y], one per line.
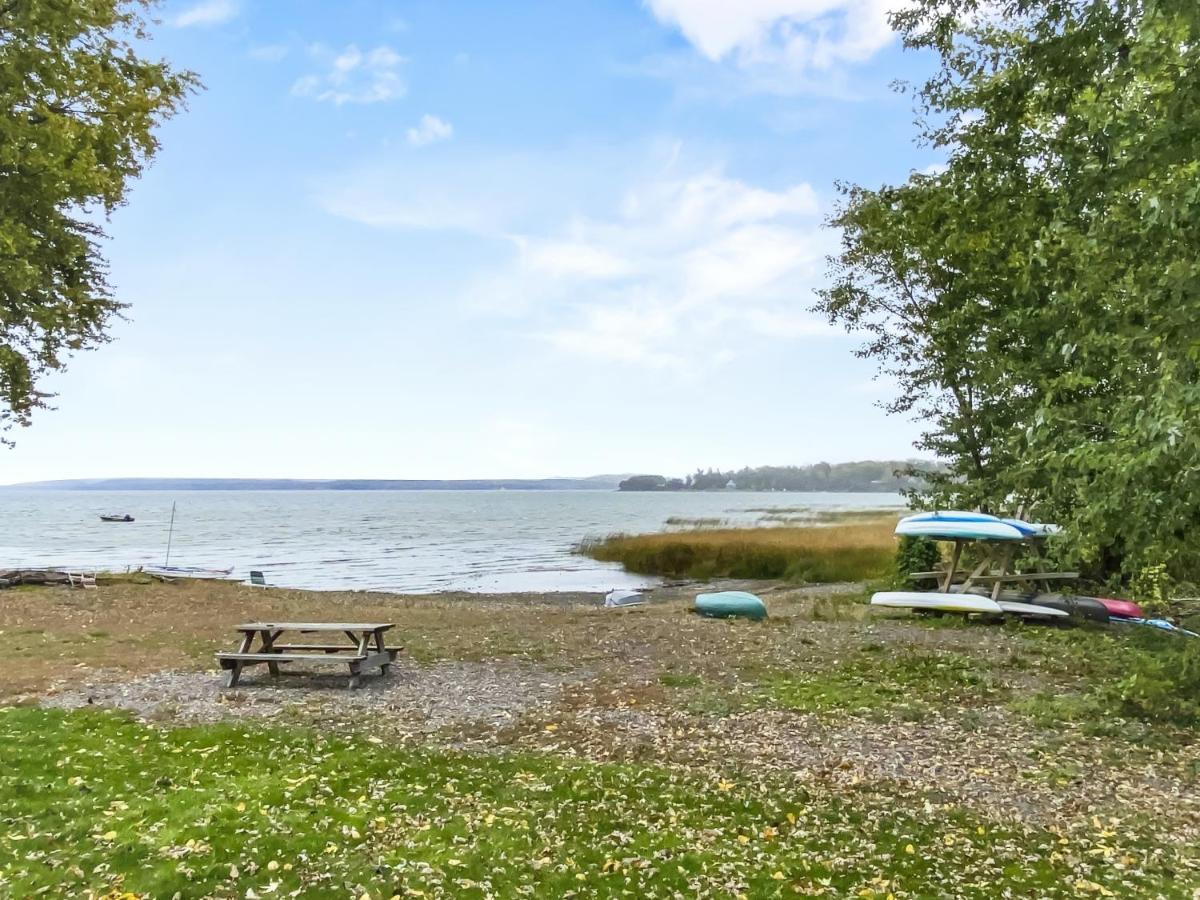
[1160, 624]
[1017, 608]
[1081, 607]
[956, 525]
[727, 604]
[938, 602]
[1126, 609]
[624, 598]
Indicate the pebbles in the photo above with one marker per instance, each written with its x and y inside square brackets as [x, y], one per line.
[413, 698]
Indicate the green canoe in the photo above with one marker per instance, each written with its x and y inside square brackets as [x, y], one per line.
[725, 604]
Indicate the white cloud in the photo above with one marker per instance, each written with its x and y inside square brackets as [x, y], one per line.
[671, 255]
[685, 262]
[795, 35]
[430, 130]
[567, 258]
[268, 52]
[690, 261]
[207, 12]
[353, 76]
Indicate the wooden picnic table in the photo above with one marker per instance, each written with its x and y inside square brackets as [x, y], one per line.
[365, 648]
[994, 570]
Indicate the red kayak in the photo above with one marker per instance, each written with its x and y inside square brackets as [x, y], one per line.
[1126, 609]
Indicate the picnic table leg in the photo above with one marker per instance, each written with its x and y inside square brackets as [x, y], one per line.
[975, 573]
[1005, 560]
[267, 646]
[236, 672]
[953, 567]
[364, 645]
[379, 646]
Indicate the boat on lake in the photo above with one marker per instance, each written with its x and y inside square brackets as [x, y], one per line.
[115, 517]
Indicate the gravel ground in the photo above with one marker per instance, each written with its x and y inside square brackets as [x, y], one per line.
[993, 761]
[413, 698]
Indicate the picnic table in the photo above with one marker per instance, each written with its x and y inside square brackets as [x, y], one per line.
[993, 571]
[365, 648]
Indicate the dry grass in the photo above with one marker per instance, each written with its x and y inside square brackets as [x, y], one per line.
[844, 552]
[57, 635]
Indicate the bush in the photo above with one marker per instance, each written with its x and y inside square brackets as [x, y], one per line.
[914, 554]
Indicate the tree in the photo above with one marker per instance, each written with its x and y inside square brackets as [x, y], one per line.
[1037, 300]
[80, 107]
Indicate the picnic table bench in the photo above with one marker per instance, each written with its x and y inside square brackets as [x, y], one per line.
[365, 648]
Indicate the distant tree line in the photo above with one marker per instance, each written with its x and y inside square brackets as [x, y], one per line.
[868, 475]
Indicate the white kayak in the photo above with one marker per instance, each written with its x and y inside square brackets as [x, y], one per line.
[958, 525]
[957, 603]
[1018, 608]
[624, 598]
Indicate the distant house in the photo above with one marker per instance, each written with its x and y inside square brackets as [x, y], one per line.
[731, 485]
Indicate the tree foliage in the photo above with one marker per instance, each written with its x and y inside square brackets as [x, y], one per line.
[1037, 300]
[80, 107]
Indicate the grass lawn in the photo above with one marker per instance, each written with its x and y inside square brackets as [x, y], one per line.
[92, 802]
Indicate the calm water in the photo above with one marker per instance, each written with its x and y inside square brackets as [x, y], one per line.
[412, 541]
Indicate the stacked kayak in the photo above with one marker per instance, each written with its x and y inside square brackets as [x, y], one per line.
[960, 527]
[1087, 608]
[936, 602]
[731, 604]
[971, 526]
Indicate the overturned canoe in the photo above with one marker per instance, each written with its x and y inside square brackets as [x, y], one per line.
[617, 598]
[726, 604]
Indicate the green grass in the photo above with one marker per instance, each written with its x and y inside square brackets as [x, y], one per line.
[905, 684]
[1115, 680]
[679, 679]
[94, 803]
[818, 554]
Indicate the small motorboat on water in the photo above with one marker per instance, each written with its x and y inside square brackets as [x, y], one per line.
[123, 517]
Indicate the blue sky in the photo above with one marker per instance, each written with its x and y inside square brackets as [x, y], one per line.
[467, 239]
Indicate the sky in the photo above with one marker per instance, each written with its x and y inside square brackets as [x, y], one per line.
[444, 239]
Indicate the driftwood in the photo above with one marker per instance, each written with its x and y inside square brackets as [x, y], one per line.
[14, 577]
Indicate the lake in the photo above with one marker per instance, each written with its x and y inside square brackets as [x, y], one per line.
[406, 541]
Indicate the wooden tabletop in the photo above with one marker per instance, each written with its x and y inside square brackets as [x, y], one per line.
[316, 626]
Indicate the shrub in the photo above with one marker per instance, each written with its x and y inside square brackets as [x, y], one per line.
[914, 554]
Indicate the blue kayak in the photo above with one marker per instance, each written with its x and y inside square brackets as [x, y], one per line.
[726, 604]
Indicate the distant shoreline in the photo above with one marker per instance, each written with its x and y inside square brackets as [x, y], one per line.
[597, 483]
